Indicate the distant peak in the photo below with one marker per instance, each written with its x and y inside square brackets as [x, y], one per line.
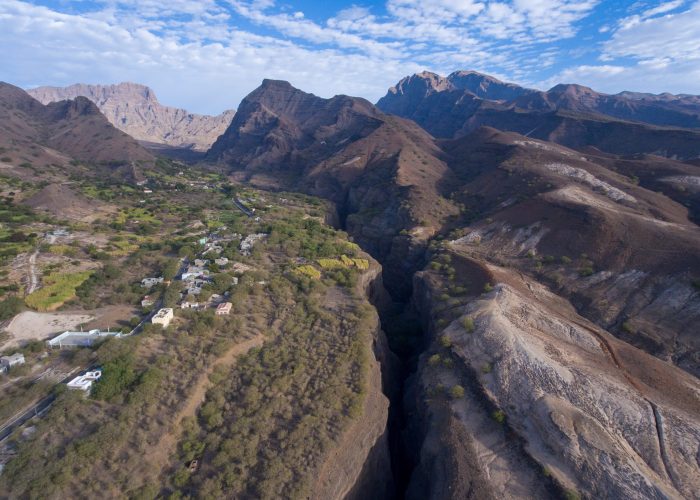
[280, 84]
[571, 88]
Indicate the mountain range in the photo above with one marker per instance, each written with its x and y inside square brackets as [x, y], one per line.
[578, 215]
[134, 109]
[571, 115]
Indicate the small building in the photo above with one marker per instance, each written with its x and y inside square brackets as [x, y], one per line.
[234, 280]
[150, 282]
[80, 339]
[194, 290]
[147, 301]
[201, 262]
[221, 261]
[224, 309]
[190, 305]
[7, 362]
[163, 317]
[84, 382]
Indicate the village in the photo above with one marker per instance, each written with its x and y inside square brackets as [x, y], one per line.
[192, 289]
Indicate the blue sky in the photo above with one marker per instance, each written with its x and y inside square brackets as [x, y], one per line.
[206, 55]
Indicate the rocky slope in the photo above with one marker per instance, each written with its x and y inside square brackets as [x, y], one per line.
[60, 132]
[552, 404]
[571, 115]
[384, 173]
[134, 109]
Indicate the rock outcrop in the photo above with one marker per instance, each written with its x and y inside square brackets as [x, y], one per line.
[134, 109]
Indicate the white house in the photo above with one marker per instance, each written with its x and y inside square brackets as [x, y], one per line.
[224, 309]
[221, 261]
[84, 382]
[149, 282]
[7, 362]
[201, 262]
[163, 317]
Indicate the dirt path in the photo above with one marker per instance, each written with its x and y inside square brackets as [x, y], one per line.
[33, 278]
[199, 390]
[160, 455]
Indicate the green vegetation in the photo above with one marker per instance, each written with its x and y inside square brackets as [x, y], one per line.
[468, 324]
[488, 287]
[499, 416]
[58, 289]
[445, 341]
[457, 392]
[10, 306]
[269, 418]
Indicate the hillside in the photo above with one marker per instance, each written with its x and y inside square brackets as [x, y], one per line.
[134, 109]
[35, 136]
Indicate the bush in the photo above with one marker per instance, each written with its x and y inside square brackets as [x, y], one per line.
[445, 341]
[457, 392]
[434, 360]
[565, 260]
[488, 287]
[585, 271]
[117, 375]
[499, 416]
[468, 324]
[10, 307]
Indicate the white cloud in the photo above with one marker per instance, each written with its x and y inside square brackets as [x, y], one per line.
[50, 48]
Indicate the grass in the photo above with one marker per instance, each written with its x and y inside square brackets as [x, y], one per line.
[58, 289]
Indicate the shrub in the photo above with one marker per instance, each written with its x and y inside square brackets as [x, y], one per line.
[445, 341]
[488, 287]
[565, 260]
[627, 327]
[585, 271]
[499, 416]
[486, 368]
[456, 392]
[468, 324]
[434, 360]
[10, 307]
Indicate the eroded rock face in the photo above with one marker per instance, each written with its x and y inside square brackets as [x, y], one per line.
[134, 109]
[600, 417]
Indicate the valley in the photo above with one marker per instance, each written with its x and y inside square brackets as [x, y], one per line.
[470, 290]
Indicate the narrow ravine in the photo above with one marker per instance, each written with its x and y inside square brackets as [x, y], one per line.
[401, 324]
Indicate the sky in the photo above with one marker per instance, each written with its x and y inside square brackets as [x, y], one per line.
[206, 55]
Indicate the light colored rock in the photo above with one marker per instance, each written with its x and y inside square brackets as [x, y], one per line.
[581, 400]
[134, 109]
